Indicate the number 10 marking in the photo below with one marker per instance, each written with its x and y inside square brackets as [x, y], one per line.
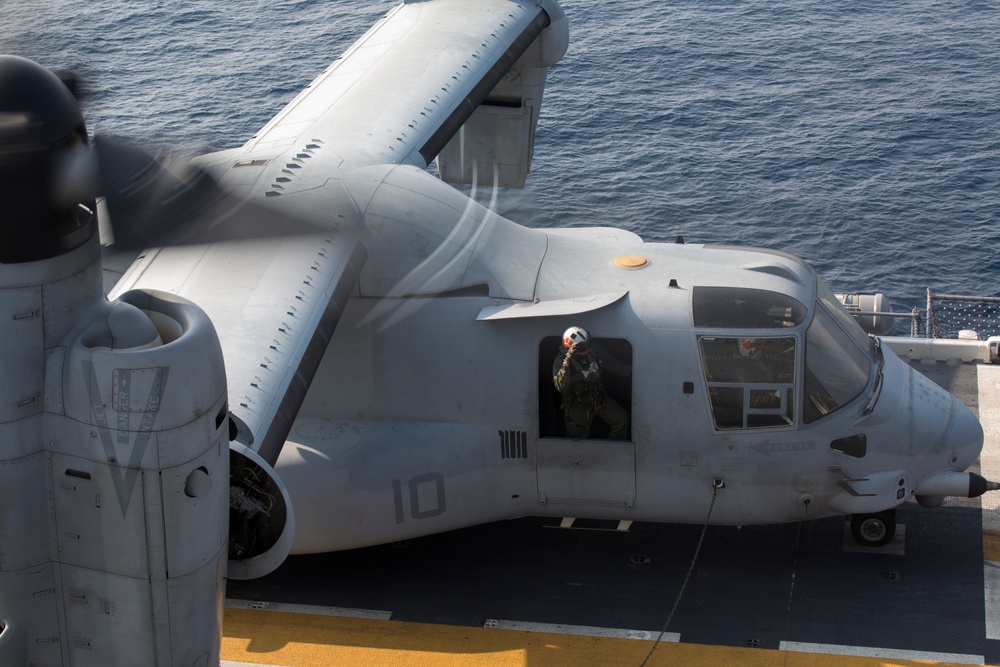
[414, 485]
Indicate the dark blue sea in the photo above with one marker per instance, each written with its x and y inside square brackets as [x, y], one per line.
[863, 137]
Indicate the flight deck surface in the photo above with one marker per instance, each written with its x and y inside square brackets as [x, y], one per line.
[529, 592]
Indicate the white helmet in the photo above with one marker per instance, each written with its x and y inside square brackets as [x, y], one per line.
[575, 336]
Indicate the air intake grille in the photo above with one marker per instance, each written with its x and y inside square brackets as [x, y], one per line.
[513, 444]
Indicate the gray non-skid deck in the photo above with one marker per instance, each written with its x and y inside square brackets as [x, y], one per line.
[767, 586]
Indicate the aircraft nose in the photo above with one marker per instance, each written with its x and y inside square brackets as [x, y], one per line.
[944, 423]
[965, 435]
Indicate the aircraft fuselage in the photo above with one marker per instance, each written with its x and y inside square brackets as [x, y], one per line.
[438, 412]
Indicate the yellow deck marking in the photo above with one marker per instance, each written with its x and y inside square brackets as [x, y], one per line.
[991, 545]
[304, 640]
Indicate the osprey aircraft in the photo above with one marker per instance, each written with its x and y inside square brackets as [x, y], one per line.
[322, 345]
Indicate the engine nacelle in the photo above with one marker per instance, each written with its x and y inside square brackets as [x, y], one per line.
[113, 472]
[261, 521]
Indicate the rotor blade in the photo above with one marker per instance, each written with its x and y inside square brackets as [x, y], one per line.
[152, 205]
[75, 178]
[72, 81]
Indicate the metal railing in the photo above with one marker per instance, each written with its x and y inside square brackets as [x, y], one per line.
[947, 315]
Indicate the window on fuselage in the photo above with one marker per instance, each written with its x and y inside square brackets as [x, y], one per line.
[550, 414]
[750, 380]
[837, 370]
[744, 308]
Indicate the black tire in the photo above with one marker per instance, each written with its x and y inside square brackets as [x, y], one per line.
[874, 530]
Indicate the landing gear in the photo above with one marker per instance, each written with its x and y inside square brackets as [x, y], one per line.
[874, 530]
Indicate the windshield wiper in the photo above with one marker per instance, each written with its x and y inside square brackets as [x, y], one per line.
[877, 389]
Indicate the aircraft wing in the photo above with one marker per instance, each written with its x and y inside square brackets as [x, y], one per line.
[395, 97]
[405, 88]
[274, 304]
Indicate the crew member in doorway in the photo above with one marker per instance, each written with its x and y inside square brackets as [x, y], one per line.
[577, 372]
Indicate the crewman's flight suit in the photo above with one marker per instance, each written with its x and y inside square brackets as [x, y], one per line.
[577, 377]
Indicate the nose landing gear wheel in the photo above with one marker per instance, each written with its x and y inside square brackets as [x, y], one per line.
[874, 530]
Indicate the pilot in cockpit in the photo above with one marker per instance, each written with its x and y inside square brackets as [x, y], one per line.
[577, 375]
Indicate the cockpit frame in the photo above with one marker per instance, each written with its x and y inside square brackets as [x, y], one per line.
[763, 354]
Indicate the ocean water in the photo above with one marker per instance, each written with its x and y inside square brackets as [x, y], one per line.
[863, 137]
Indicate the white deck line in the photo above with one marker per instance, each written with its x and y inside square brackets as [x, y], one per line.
[871, 652]
[344, 612]
[580, 630]
[989, 460]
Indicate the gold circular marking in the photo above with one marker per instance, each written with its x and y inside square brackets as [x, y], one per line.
[631, 262]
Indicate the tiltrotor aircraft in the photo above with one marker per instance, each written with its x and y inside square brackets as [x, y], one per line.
[376, 361]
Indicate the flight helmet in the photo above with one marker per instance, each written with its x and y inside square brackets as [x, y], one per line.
[576, 336]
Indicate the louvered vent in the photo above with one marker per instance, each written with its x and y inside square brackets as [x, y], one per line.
[513, 444]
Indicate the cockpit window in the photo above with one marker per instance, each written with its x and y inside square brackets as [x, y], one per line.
[743, 308]
[846, 320]
[837, 369]
[751, 380]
